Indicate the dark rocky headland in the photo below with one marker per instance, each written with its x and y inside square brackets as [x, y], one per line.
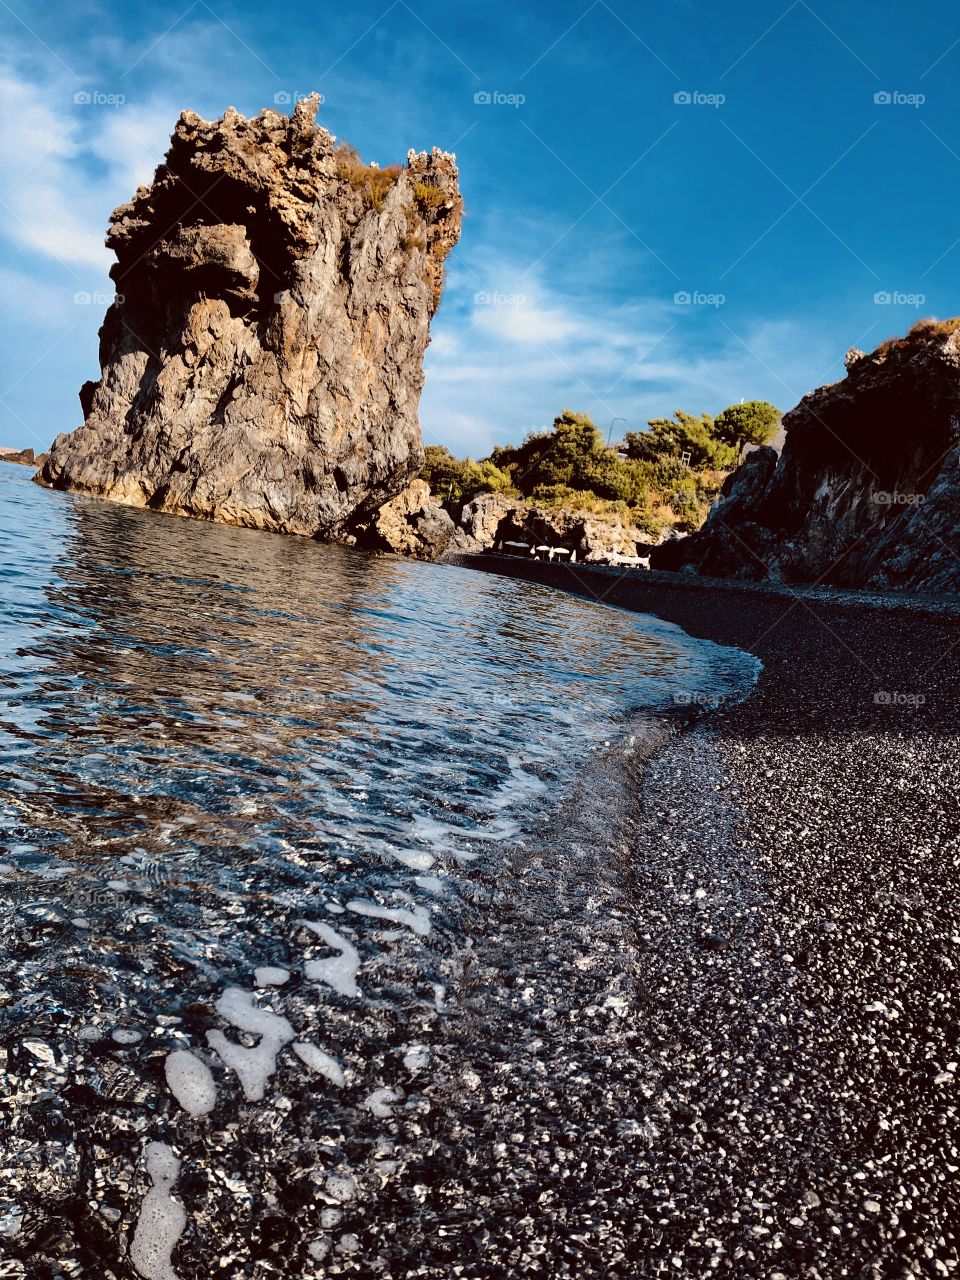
[867, 490]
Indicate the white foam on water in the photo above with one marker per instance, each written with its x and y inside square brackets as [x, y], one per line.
[381, 1102]
[339, 971]
[269, 975]
[431, 884]
[318, 1249]
[416, 918]
[191, 1082]
[416, 861]
[162, 1219]
[317, 1060]
[416, 1057]
[255, 1065]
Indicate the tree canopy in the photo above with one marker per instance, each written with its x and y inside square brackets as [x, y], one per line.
[684, 433]
[753, 422]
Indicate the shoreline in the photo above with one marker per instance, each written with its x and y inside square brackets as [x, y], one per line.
[794, 887]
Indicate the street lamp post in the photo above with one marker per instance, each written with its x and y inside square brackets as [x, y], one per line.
[610, 432]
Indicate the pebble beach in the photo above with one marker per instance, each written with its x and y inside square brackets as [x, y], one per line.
[791, 896]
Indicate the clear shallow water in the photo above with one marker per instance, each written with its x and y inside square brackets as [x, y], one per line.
[186, 694]
[209, 736]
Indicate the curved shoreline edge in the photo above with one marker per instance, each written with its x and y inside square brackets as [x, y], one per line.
[797, 953]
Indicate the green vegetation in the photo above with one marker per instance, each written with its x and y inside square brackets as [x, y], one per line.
[456, 480]
[682, 434]
[372, 182]
[427, 195]
[649, 483]
[753, 422]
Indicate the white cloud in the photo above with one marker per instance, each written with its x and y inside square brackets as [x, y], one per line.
[499, 368]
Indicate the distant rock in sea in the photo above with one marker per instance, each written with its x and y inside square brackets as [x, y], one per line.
[26, 457]
[262, 362]
[866, 492]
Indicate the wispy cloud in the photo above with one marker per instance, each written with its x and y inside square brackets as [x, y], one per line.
[66, 164]
[509, 356]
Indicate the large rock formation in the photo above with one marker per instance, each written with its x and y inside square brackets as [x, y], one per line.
[411, 524]
[867, 490]
[262, 362]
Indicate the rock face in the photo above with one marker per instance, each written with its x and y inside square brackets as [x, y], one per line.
[867, 490]
[262, 361]
[411, 524]
[492, 518]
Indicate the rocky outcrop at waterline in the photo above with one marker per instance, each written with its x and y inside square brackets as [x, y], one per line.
[866, 492]
[411, 524]
[263, 359]
[25, 457]
[491, 520]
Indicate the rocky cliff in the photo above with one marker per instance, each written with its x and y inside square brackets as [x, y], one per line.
[263, 360]
[866, 492]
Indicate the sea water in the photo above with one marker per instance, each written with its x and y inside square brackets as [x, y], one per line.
[258, 798]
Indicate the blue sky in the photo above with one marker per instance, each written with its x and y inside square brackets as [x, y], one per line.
[668, 205]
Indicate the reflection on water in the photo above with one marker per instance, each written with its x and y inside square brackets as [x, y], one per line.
[266, 709]
[210, 735]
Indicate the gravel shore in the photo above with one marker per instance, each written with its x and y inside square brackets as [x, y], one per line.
[792, 887]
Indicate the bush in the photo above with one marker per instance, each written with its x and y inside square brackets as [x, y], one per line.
[427, 195]
[455, 481]
[570, 467]
[372, 182]
[683, 433]
[567, 455]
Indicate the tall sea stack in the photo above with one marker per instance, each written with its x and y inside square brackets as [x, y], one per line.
[263, 359]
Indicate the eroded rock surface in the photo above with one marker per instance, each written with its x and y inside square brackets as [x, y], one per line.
[262, 361]
[411, 524]
[491, 519]
[867, 490]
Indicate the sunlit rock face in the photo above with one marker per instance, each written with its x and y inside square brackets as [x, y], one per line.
[866, 492]
[262, 362]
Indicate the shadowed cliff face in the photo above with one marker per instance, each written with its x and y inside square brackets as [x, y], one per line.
[867, 489]
[263, 360]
